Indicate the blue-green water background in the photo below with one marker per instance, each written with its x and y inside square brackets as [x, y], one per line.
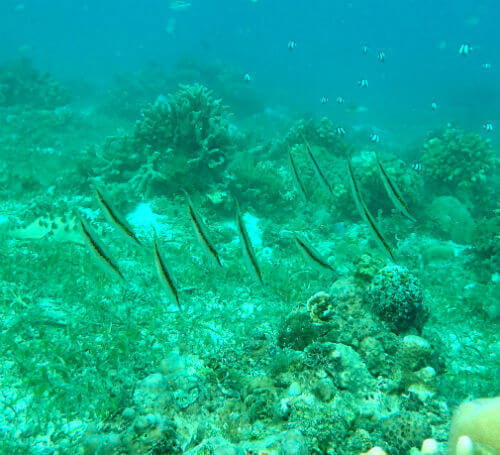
[94, 40]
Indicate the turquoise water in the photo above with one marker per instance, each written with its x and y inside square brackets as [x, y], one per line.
[249, 227]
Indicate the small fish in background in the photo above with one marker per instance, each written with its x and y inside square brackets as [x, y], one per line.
[324, 100]
[164, 274]
[115, 217]
[179, 5]
[99, 250]
[416, 167]
[363, 83]
[381, 56]
[434, 106]
[355, 109]
[246, 245]
[488, 127]
[364, 49]
[171, 26]
[340, 100]
[465, 49]
[312, 254]
[201, 232]
[486, 66]
[340, 131]
[247, 78]
[292, 44]
[374, 138]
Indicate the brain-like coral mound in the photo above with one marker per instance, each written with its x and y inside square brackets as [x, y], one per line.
[459, 161]
[395, 295]
[405, 430]
[21, 84]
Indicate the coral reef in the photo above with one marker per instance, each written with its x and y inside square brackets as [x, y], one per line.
[21, 84]
[460, 163]
[395, 295]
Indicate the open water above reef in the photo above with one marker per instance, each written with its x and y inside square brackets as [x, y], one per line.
[249, 227]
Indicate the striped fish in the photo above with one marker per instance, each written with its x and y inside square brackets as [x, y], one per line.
[246, 245]
[296, 177]
[365, 213]
[312, 254]
[317, 169]
[393, 191]
[115, 217]
[99, 250]
[202, 232]
[164, 274]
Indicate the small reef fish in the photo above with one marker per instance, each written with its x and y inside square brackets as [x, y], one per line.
[99, 250]
[164, 274]
[317, 169]
[247, 78]
[59, 229]
[365, 213]
[115, 217]
[296, 177]
[202, 232]
[393, 191]
[179, 5]
[246, 245]
[488, 127]
[381, 56]
[340, 131]
[363, 83]
[324, 100]
[486, 66]
[416, 167]
[375, 138]
[311, 254]
[354, 109]
[364, 50]
[340, 100]
[434, 106]
[465, 49]
[292, 44]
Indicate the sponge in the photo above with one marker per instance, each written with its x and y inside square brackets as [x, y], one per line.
[480, 421]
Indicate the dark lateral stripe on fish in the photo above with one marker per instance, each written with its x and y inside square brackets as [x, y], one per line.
[115, 217]
[247, 246]
[312, 253]
[365, 213]
[296, 176]
[393, 191]
[98, 249]
[201, 231]
[318, 170]
[164, 274]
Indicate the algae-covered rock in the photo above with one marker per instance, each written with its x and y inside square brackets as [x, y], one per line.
[293, 444]
[395, 295]
[405, 430]
[460, 161]
[296, 331]
[451, 219]
[21, 84]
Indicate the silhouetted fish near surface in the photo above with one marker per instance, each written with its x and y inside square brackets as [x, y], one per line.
[365, 213]
[393, 191]
[201, 232]
[99, 250]
[246, 245]
[164, 274]
[317, 169]
[296, 177]
[115, 217]
[312, 254]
